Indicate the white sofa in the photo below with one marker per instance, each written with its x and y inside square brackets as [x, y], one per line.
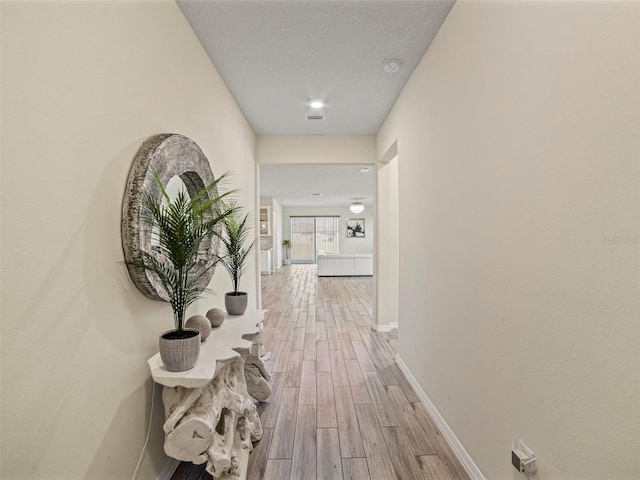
[344, 265]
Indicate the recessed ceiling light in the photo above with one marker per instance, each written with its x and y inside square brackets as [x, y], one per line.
[316, 194]
[391, 66]
[315, 103]
[365, 169]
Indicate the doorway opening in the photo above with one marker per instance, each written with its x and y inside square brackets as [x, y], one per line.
[387, 273]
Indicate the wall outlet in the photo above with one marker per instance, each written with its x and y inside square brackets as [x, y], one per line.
[522, 458]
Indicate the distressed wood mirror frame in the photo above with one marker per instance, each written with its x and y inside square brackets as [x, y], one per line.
[169, 155]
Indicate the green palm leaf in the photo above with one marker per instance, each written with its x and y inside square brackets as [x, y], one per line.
[180, 226]
[237, 230]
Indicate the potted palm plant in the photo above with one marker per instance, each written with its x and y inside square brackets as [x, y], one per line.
[287, 246]
[179, 227]
[235, 235]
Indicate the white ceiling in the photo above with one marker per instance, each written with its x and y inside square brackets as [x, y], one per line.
[276, 55]
[338, 184]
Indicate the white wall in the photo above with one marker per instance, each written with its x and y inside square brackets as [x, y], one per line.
[318, 149]
[517, 137]
[276, 212]
[345, 244]
[387, 274]
[83, 85]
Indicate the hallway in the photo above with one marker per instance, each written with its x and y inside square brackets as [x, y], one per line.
[340, 407]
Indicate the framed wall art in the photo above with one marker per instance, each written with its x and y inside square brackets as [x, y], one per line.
[355, 228]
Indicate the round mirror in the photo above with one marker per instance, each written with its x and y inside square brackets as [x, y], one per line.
[174, 186]
[179, 163]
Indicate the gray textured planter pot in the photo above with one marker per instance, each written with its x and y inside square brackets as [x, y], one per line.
[235, 303]
[179, 351]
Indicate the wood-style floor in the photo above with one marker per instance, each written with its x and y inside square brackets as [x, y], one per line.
[341, 408]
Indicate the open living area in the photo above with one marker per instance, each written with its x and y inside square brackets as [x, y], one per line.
[421, 261]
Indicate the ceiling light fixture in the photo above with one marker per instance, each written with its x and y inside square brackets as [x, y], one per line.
[315, 103]
[356, 207]
[391, 66]
[316, 194]
[365, 169]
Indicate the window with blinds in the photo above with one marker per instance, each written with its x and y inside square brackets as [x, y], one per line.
[310, 234]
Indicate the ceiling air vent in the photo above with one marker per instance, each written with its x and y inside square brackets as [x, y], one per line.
[315, 117]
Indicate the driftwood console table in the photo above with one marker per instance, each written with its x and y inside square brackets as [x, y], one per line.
[210, 416]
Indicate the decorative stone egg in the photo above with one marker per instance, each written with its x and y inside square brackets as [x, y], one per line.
[200, 323]
[215, 316]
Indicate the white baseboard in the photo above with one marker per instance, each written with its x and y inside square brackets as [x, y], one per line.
[386, 328]
[459, 451]
[168, 470]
